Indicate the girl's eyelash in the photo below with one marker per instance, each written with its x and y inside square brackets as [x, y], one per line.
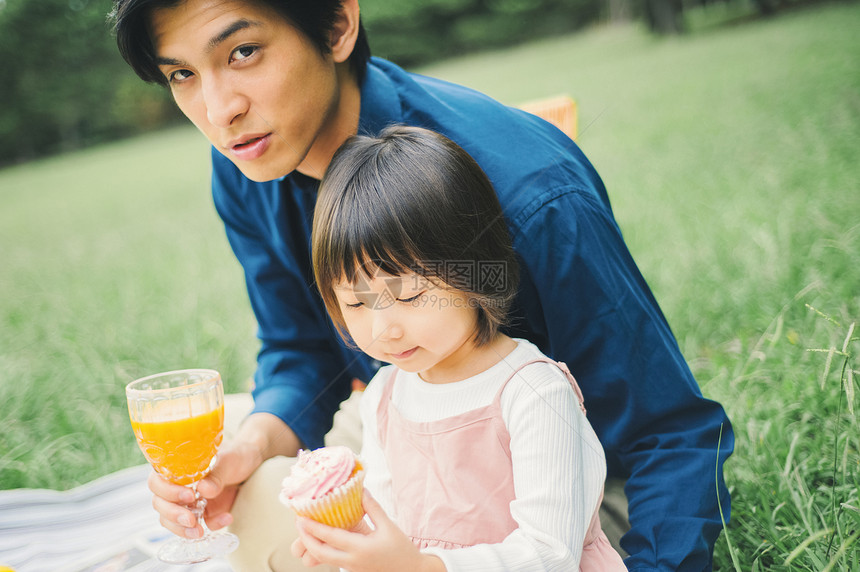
[405, 300]
[412, 299]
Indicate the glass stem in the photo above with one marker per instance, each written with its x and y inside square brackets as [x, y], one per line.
[198, 509]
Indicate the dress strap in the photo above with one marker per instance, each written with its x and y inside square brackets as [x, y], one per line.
[560, 365]
[382, 408]
[389, 385]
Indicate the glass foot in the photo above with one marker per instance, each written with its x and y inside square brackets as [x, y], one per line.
[183, 551]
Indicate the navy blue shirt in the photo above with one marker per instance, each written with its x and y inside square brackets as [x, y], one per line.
[582, 300]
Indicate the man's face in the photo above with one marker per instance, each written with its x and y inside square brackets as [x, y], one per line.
[259, 90]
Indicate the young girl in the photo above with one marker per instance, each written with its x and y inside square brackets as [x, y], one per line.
[476, 446]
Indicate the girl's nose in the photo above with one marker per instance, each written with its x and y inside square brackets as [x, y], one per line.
[386, 326]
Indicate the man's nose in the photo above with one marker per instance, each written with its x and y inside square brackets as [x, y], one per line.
[223, 102]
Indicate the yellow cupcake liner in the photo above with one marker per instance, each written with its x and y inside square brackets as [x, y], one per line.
[340, 507]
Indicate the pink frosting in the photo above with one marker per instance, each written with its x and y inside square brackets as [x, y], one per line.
[318, 472]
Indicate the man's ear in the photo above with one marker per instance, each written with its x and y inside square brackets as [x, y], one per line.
[345, 31]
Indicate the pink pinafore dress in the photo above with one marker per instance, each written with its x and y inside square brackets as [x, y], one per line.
[452, 479]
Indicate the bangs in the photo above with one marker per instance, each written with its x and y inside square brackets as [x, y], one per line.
[376, 221]
[362, 244]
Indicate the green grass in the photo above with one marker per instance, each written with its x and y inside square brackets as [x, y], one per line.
[115, 265]
[732, 157]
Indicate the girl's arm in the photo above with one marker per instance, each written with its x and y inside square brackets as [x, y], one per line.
[559, 471]
[591, 305]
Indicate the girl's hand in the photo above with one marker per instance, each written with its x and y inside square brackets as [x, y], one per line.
[298, 549]
[364, 549]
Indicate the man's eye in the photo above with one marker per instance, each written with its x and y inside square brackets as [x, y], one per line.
[243, 53]
[179, 76]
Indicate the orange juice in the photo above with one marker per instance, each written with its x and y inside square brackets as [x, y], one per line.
[182, 448]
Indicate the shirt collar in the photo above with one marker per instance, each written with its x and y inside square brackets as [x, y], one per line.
[380, 104]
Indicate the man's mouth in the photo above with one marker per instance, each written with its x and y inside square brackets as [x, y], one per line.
[248, 142]
[252, 147]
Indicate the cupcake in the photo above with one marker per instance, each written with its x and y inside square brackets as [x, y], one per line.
[326, 485]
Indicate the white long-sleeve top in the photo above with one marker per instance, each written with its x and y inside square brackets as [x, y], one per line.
[558, 463]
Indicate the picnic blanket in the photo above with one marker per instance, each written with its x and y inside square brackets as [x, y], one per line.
[106, 525]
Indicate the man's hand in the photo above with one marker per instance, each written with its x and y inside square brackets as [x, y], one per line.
[261, 436]
[380, 548]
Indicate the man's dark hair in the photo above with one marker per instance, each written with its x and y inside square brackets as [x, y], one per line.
[314, 18]
[407, 201]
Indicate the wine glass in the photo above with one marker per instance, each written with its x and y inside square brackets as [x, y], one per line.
[178, 419]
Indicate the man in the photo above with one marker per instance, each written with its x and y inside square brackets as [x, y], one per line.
[276, 87]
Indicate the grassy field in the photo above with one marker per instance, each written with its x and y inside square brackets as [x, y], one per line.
[732, 157]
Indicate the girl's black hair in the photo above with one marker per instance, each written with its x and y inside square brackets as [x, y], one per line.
[412, 200]
[314, 18]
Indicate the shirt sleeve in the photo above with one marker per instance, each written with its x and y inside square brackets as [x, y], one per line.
[300, 377]
[559, 470]
[600, 317]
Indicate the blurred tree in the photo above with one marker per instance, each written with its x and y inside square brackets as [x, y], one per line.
[664, 16]
[63, 82]
[413, 33]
